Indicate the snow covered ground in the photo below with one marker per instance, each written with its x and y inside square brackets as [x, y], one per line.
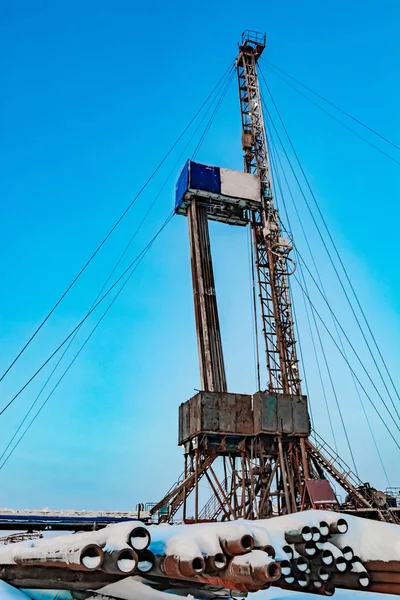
[370, 540]
[134, 590]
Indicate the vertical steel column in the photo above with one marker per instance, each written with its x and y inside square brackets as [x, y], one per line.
[212, 368]
[271, 253]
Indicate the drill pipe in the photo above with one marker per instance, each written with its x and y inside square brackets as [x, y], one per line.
[298, 537]
[286, 567]
[385, 588]
[380, 565]
[308, 549]
[289, 551]
[174, 567]
[237, 546]
[316, 534]
[348, 553]
[139, 539]
[339, 527]
[323, 574]
[384, 577]
[87, 558]
[340, 564]
[351, 581]
[267, 573]
[303, 580]
[250, 574]
[55, 578]
[294, 587]
[300, 564]
[216, 563]
[324, 529]
[270, 550]
[123, 561]
[146, 561]
[323, 558]
[316, 584]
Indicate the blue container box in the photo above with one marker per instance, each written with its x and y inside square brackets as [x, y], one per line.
[196, 176]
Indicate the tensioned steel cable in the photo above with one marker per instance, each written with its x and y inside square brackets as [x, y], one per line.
[103, 287]
[149, 179]
[273, 160]
[348, 340]
[361, 137]
[302, 192]
[277, 177]
[371, 129]
[86, 316]
[74, 358]
[336, 252]
[349, 365]
[314, 319]
[215, 111]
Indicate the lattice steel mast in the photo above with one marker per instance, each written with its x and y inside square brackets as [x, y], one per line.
[254, 450]
[271, 249]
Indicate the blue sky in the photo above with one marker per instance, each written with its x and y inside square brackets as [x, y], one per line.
[94, 93]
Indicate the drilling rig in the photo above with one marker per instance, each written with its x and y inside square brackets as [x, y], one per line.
[256, 451]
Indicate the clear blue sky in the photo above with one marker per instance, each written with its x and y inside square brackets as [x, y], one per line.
[93, 94]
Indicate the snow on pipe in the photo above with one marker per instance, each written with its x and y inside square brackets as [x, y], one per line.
[303, 580]
[286, 568]
[289, 551]
[324, 529]
[340, 526]
[114, 536]
[305, 534]
[216, 563]
[173, 566]
[122, 561]
[254, 567]
[87, 558]
[146, 562]
[300, 564]
[237, 545]
[323, 574]
[139, 539]
[348, 553]
[270, 550]
[306, 549]
[316, 534]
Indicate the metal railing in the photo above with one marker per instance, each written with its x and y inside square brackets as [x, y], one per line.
[334, 459]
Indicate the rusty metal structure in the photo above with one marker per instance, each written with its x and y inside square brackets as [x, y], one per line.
[256, 451]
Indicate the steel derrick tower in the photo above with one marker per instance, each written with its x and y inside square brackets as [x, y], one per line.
[256, 451]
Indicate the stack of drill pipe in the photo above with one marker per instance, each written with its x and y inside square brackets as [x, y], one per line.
[116, 551]
[77, 557]
[256, 567]
[237, 566]
[233, 545]
[384, 577]
[330, 566]
[315, 563]
[122, 544]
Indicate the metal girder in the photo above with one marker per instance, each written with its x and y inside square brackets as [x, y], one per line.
[271, 249]
[211, 360]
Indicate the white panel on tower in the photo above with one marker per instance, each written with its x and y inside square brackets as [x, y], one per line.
[240, 185]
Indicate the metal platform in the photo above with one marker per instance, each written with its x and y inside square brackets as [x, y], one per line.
[65, 520]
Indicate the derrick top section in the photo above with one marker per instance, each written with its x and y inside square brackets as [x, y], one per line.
[253, 42]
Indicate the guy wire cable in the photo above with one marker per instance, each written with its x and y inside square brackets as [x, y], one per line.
[113, 227]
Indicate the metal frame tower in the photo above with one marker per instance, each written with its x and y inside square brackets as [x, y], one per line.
[255, 451]
[271, 249]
